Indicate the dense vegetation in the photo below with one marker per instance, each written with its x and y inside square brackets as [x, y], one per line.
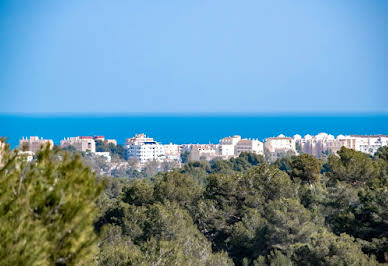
[47, 208]
[244, 211]
[299, 210]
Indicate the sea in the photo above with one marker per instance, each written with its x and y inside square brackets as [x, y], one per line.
[186, 128]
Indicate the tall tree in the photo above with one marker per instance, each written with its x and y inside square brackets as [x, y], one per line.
[47, 208]
[306, 168]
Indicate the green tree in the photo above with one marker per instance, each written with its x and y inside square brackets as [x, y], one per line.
[275, 258]
[160, 233]
[232, 203]
[382, 153]
[174, 239]
[352, 166]
[221, 166]
[255, 212]
[306, 168]
[284, 164]
[139, 192]
[175, 186]
[198, 170]
[47, 208]
[371, 221]
[288, 223]
[246, 241]
[121, 253]
[246, 160]
[326, 248]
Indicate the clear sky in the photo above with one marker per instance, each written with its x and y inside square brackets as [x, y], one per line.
[193, 56]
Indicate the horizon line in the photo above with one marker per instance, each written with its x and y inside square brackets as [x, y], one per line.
[158, 114]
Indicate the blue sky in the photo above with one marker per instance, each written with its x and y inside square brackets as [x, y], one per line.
[193, 56]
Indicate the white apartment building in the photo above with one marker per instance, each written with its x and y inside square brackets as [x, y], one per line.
[316, 145]
[370, 144]
[323, 143]
[227, 146]
[365, 143]
[34, 144]
[232, 146]
[82, 143]
[172, 152]
[249, 145]
[279, 145]
[144, 149]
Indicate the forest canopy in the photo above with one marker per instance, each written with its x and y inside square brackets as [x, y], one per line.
[298, 210]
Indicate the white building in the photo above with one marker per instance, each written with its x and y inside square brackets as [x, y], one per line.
[324, 143]
[82, 144]
[232, 146]
[227, 146]
[249, 145]
[316, 145]
[370, 144]
[144, 149]
[34, 144]
[279, 145]
[364, 143]
[172, 152]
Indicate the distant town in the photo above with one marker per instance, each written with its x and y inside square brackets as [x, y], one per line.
[143, 149]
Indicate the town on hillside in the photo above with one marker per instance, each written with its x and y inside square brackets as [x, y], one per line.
[143, 149]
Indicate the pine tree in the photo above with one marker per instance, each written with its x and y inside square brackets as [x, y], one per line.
[47, 208]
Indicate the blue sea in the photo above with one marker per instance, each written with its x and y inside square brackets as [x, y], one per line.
[191, 128]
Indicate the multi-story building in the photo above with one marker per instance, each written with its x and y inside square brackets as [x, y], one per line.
[227, 146]
[172, 151]
[82, 143]
[324, 143]
[34, 144]
[276, 146]
[144, 149]
[232, 146]
[370, 143]
[316, 145]
[249, 145]
[364, 143]
[346, 141]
